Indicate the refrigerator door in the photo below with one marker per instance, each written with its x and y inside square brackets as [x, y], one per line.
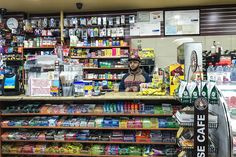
[228, 94]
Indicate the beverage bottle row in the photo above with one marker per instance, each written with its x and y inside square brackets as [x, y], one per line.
[222, 73]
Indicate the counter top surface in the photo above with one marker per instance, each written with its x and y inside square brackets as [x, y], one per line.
[107, 96]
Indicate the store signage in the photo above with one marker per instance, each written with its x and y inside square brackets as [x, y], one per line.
[201, 127]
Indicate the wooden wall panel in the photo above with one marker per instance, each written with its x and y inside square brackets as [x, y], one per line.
[218, 21]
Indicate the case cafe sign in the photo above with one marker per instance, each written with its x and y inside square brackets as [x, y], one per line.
[201, 127]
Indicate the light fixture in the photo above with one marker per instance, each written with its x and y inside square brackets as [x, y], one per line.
[79, 5]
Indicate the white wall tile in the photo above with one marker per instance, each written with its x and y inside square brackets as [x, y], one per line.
[225, 41]
[165, 61]
[166, 49]
[233, 42]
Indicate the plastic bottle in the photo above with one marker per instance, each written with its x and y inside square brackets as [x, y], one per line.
[233, 72]
[219, 49]
[226, 73]
[211, 73]
[213, 48]
[219, 73]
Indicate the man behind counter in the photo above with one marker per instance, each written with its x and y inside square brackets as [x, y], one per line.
[131, 81]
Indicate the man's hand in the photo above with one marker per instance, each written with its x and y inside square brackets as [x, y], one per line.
[135, 89]
[128, 89]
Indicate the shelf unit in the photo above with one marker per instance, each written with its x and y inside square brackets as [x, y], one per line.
[86, 128]
[99, 57]
[212, 145]
[86, 114]
[211, 125]
[94, 68]
[211, 149]
[98, 47]
[133, 97]
[108, 96]
[95, 79]
[111, 55]
[91, 142]
[30, 48]
[54, 154]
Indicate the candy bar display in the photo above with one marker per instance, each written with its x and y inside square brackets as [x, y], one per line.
[116, 107]
[189, 94]
[92, 135]
[110, 52]
[187, 141]
[92, 122]
[96, 149]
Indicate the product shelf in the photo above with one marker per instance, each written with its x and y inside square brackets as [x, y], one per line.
[102, 79]
[53, 154]
[211, 125]
[94, 68]
[46, 47]
[97, 47]
[99, 57]
[86, 128]
[108, 96]
[86, 114]
[211, 147]
[122, 96]
[93, 142]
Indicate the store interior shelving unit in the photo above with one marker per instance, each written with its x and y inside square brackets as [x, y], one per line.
[103, 44]
[7, 102]
[185, 135]
[34, 29]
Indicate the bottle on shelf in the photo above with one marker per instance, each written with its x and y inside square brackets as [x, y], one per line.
[211, 73]
[219, 73]
[233, 72]
[226, 73]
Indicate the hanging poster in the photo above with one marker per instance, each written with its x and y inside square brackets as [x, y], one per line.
[135, 29]
[150, 29]
[156, 16]
[143, 16]
[145, 29]
[183, 22]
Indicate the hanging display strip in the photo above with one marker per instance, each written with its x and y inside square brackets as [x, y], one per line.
[99, 25]
[201, 127]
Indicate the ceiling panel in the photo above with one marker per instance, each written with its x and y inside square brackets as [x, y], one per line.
[53, 6]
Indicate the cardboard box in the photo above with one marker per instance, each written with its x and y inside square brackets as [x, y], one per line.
[176, 73]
